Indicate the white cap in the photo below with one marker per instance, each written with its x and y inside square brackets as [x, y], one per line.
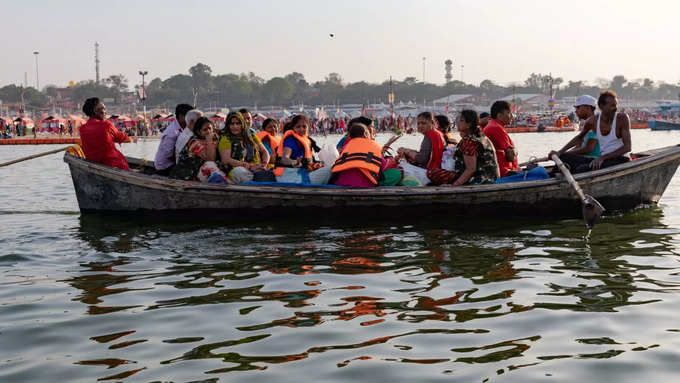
[586, 100]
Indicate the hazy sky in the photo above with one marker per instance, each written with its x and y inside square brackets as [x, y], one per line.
[500, 40]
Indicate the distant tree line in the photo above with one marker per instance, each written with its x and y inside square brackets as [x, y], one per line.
[204, 88]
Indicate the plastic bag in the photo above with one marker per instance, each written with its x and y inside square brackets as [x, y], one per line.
[448, 161]
[412, 171]
[328, 154]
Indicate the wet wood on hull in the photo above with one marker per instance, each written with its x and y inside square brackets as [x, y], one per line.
[102, 189]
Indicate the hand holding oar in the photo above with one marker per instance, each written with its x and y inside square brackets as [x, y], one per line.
[33, 156]
[590, 207]
[389, 143]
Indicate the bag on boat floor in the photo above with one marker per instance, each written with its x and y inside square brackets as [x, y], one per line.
[413, 175]
[537, 173]
[264, 176]
[302, 176]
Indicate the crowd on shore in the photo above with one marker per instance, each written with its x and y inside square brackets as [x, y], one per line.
[194, 148]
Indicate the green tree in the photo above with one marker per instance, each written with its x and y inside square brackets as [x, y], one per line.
[278, 90]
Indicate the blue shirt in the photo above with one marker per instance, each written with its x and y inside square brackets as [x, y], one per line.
[296, 150]
[596, 151]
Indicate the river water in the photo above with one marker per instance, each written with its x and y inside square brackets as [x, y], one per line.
[448, 299]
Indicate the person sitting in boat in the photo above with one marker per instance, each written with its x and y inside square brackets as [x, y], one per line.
[612, 130]
[241, 150]
[197, 160]
[187, 132]
[444, 126]
[431, 148]
[475, 156]
[483, 120]
[165, 156]
[506, 154]
[361, 120]
[296, 148]
[360, 161]
[584, 108]
[98, 136]
[270, 138]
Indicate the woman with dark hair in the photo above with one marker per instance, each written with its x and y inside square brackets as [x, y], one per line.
[444, 126]
[98, 136]
[197, 158]
[432, 147]
[296, 148]
[475, 156]
[269, 137]
[241, 149]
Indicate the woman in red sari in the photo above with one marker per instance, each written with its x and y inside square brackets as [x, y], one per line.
[99, 136]
[431, 149]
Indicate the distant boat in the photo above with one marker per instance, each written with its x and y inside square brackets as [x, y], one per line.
[104, 189]
[663, 125]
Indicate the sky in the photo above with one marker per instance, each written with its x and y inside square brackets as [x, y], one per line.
[503, 41]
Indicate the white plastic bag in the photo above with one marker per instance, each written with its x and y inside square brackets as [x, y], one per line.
[328, 154]
[448, 161]
[413, 171]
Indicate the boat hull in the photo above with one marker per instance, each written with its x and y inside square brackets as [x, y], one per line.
[102, 189]
[663, 125]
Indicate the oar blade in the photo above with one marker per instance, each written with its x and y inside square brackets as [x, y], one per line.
[592, 210]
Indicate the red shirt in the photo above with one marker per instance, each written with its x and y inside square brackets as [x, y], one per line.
[99, 138]
[501, 141]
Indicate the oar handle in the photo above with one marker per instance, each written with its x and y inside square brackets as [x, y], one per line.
[534, 161]
[32, 157]
[569, 177]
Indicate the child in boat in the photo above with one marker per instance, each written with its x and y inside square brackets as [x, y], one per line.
[197, 158]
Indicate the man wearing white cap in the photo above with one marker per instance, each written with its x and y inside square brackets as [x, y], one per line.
[611, 147]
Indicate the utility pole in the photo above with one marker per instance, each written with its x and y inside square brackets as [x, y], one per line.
[144, 73]
[424, 59]
[37, 75]
[96, 62]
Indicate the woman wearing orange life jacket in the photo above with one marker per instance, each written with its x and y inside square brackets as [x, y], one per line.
[360, 162]
[295, 149]
[270, 139]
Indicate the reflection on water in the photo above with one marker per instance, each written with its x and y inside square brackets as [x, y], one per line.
[465, 299]
[106, 299]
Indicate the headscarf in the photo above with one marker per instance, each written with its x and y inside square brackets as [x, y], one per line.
[243, 145]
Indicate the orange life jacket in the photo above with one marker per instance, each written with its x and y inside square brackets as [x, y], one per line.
[302, 140]
[363, 154]
[274, 142]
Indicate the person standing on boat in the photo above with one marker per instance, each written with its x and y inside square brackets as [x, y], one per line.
[187, 132]
[165, 156]
[612, 130]
[431, 148]
[98, 136]
[506, 154]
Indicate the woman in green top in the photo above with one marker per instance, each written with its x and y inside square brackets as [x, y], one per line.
[240, 148]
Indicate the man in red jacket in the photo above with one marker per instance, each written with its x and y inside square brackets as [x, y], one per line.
[98, 136]
[506, 154]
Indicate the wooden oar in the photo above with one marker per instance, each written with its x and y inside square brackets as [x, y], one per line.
[33, 156]
[590, 207]
[534, 161]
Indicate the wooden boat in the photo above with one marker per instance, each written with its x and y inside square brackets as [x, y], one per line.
[663, 125]
[40, 141]
[103, 189]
